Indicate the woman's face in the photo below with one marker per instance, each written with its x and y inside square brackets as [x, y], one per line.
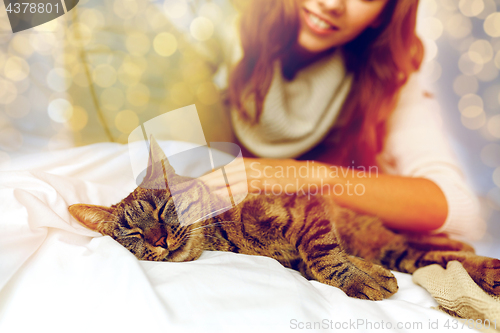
[329, 23]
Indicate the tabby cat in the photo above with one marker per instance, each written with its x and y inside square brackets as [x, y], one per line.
[325, 242]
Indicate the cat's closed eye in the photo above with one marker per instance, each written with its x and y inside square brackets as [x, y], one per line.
[134, 232]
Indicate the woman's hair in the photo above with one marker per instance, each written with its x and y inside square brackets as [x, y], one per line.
[381, 60]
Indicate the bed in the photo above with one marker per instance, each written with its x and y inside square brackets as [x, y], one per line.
[57, 276]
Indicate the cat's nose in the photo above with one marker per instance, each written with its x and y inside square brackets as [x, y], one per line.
[161, 242]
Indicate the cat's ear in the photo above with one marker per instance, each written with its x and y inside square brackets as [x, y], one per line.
[158, 165]
[91, 216]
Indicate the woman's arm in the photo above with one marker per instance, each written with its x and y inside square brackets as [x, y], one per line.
[403, 203]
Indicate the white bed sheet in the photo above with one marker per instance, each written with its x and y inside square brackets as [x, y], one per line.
[57, 276]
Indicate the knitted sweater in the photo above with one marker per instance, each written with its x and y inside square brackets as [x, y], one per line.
[298, 114]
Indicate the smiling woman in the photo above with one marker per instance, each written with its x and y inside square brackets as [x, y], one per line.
[337, 82]
[325, 25]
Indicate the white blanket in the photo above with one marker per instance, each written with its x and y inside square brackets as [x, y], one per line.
[57, 276]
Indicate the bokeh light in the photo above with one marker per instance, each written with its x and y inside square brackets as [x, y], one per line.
[79, 118]
[481, 51]
[492, 24]
[467, 66]
[489, 8]
[458, 26]
[471, 7]
[201, 28]
[431, 28]
[131, 70]
[79, 34]
[496, 177]
[125, 9]
[488, 73]
[59, 79]
[60, 110]
[429, 7]
[497, 59]
[450, 5]
[92, 18]
[175, 9]
[470, 100]
[494, 126]
[20, 45]
[213, 12]
[472, 111]
[16, 69]
[43, 43]
[474, 122]
[8, 92]
[165, 44]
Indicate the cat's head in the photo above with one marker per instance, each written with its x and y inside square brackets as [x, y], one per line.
[146, 221]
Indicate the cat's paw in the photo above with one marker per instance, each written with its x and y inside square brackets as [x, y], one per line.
[386, 281]
[362, 285]
[359, 279]
[485, 272]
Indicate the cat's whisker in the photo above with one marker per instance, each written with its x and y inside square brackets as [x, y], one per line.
[214, 224]
[187, 237]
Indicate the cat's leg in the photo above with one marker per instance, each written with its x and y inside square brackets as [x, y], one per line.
[484, 271]
[435, 242]
[366, 237]
[316, 241]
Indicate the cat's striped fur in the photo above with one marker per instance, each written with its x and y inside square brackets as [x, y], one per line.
[323, 241]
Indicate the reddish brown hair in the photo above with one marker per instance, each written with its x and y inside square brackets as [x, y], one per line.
[380, 59]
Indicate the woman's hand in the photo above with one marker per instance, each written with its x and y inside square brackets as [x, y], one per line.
[270, 176]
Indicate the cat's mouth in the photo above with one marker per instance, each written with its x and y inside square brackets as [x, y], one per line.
[180, 253]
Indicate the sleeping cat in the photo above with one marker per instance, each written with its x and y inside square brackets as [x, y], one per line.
[323, 241]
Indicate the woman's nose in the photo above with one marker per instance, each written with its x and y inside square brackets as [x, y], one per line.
[335, 6]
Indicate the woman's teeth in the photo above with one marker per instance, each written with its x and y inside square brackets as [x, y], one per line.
[319, 22]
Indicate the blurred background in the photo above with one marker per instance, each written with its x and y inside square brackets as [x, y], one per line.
[98, 72]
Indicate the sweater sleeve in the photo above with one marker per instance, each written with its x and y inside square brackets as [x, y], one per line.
[417, 147]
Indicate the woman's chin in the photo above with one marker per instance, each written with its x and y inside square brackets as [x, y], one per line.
[312, 44]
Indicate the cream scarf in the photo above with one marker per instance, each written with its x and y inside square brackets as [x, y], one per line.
[297, 114]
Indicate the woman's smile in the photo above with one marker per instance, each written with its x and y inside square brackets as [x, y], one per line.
[318, 24]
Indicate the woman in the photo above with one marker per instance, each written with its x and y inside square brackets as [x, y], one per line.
[332, 81]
